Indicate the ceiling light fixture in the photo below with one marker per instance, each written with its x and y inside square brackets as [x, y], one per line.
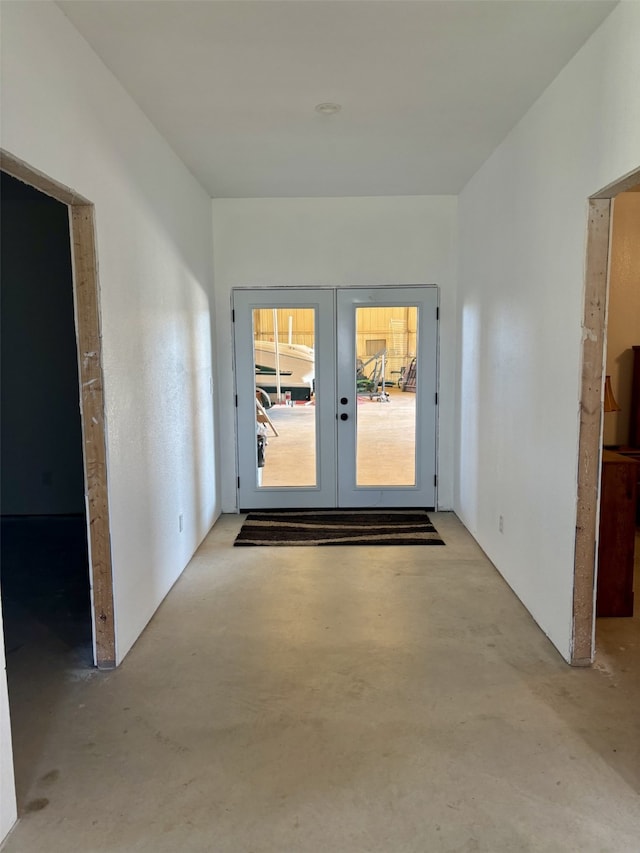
[328, 109]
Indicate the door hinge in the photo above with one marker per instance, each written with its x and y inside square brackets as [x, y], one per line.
[436, 398]
[438, 313]
[233, 315]
[238, 482]
[435, 479]
[236, 401]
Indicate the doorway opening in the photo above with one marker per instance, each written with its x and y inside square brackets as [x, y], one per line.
[594, 504]
[86, 316]
[44, 554]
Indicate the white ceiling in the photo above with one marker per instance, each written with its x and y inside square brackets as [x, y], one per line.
[428, 89]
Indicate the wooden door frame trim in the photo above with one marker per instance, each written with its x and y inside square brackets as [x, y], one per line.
[86, 297]
[591, 420]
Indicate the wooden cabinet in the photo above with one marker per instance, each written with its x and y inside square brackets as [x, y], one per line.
[617, 535]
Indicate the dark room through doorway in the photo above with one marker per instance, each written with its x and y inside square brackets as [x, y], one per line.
[44, 574]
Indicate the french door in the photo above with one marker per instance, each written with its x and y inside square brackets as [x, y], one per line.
[336, 400]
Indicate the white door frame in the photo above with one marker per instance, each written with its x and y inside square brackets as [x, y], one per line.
[334, 339]
[249, 494]
[348, 301]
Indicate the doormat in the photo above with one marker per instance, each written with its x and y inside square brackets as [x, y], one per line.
[339, 527]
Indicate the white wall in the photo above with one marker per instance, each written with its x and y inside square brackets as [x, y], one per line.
[335, 242]
[623, 324]
[522, 235]
[65, 114]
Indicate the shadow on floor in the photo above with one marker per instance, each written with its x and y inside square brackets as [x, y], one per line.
[45, 582]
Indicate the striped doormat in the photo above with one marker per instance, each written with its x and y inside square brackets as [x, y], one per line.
[339, 527]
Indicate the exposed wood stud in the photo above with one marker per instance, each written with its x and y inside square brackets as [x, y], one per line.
[22, 172]
[93, 427]
[590, 429]
[623, 185]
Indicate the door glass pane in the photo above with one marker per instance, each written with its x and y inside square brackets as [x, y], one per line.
[283, 350]
[386, 348]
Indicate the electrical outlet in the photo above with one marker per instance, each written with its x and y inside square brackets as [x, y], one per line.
[501, 524]
[180, 523]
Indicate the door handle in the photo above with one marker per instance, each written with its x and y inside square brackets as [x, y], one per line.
[344, 416]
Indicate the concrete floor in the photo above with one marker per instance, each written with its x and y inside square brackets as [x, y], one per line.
[299, 700]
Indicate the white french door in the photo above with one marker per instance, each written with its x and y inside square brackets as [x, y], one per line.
[336, 397]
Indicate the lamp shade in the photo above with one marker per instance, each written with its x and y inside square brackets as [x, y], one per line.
[610, 404]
